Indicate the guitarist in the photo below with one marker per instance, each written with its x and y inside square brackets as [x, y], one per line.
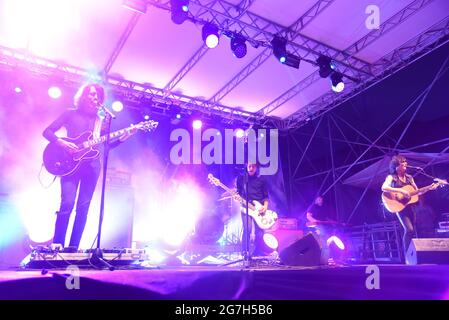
[397, 179]
[86, 116]
[257, 190]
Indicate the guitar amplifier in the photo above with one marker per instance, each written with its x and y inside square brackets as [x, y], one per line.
[430, 250]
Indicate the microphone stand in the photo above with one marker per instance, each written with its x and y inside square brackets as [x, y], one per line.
[245, 249]
[97, 256]
[246, 253]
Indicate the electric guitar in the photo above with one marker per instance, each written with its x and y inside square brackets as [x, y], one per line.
[264, 221]
[61, 162]
[396, 201]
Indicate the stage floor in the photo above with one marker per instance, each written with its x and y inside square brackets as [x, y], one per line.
[232, 283]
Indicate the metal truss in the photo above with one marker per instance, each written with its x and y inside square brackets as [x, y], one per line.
[289, 33]
[362, 43]
[411, 51]
[127, 32]
[186, 68]
[129, 90]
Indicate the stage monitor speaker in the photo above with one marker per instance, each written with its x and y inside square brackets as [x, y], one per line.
[304, 252]
[430, 250]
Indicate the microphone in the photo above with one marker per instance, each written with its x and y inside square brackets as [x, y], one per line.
[413, 167]
[102, 107]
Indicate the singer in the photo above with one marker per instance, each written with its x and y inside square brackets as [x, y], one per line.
[87, 115]
[394, 182]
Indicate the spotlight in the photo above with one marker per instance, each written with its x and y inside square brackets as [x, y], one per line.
[135, 5]
[280, 52]
[197, 124]
[117, 106]
[17, 89]
[238, 46]
[210, 35]
[279, 49]
[292, 60]
[239, 133]
[179, 10]
[337, 82]
[54, 92]
[326, 66]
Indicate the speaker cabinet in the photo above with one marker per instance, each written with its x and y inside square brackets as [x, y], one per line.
[303, 252]
[430, 250]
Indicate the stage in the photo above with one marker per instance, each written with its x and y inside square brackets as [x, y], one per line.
[396, 282]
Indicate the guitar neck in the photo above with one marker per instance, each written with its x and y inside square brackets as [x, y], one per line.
[103, 138]
[421, 190]
[239, 197]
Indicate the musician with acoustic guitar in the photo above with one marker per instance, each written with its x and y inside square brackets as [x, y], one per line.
[87, 116]
[400, 195]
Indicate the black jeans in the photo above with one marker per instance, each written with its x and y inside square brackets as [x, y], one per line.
[407, 218]
[259, 245]
[85, 179]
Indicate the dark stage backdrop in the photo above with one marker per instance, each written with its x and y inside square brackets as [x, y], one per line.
[361, 121]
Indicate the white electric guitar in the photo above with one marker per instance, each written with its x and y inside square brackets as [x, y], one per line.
[264, 221]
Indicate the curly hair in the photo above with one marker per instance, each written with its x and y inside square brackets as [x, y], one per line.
[395, 162]
[83, 92]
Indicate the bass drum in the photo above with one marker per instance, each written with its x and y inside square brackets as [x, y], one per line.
[209, 229]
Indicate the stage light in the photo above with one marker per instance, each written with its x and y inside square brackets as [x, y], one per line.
[135, 5]
[238, 46]
[54, 92]
[280, 52]
[337, 241]
[197, 124]
[337, 82]
[117, 106]
[279, 48]
[210, 35]
[239, 133]
[271, 241]
[326, 66]
[179, 10]
[17, 89]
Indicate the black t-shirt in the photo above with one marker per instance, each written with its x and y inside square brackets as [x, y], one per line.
[319, 212]
[76, 122]
[257, 188]
[398, 183]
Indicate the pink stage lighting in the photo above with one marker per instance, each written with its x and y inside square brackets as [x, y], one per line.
[239, 133]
